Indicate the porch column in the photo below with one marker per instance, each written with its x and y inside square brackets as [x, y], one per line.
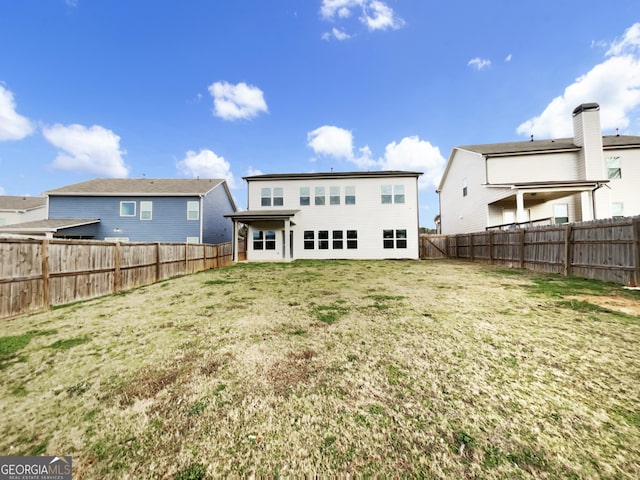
[287, 230]
[521, 215]
[234, 257]
[587, 206]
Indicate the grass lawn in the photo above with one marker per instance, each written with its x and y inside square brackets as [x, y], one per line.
[429, 369]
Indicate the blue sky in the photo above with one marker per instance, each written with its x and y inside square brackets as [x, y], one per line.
[172, 89]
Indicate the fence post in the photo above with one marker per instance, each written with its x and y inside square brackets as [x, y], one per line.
[522, 233]
[158, 262]
[44, 254]
[471, 257]
[117, 280]
[568, 250]
[635, 226]
[490, 247]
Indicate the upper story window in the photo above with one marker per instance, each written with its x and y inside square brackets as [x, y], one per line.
[319, 196]
[305, 196]
[464, 187]
[392, 194]
[193, 210]
[127, 209]
[146, 210]
[613, 168]
[350, 195]
[271, 197]
[334, 195]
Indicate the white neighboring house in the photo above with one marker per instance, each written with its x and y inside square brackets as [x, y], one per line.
[351, 215]
[20, 209]
[536, 182]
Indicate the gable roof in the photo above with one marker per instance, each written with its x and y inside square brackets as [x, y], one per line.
[139, 187]
[21, 203]
[49, 225]
[553, 145]
[333, 175]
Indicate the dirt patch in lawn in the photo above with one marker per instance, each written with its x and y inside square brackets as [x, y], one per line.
[629, 306]
[331, 369]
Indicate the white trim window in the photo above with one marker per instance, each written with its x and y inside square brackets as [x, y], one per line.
[146, 210]
[614, 171]
[391, 194]
[319, 196]
[193, 210]
[193, 239]
[617, 210]
[305, 196]
[394, 238]
[560, 213]
[350, 195]
[127, 209]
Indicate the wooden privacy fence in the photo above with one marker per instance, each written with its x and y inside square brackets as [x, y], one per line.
[36, 274]
[604, 249]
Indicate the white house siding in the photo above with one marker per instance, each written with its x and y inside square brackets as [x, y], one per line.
[11, 217]
[465, 214]
[532, 168]
[626, 190]
[368, 217]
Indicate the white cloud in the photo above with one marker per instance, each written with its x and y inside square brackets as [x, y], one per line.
[337, 34]
[378, 15]
[410, 153]
[339, 8]
[415, 155]
[241, 101]
[331, 141]
[206, 164]
[479, 63]
[253, 171]
[628, 44]
[95, 149]
[374, 14]
[2, 191]
[12, 125]
[614, 84]
[508, 58]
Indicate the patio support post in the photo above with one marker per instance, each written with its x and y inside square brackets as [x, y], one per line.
[287, 230]
[234, 255]
[520, 213]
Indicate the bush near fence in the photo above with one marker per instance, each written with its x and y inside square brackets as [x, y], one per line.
[606, 250]
[36, 274]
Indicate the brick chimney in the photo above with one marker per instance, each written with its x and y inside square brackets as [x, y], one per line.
[588, 135]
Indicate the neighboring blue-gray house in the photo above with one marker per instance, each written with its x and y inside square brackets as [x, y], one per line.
[137, 210]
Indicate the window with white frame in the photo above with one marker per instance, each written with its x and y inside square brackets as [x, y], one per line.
[323, 239]
[334, 195]
[305, 196]
[398, 194]
[350, 195]
[613, 168]
[617, 210]
[464, 187]
[394, 238]
[560, 213]
[392, 194]
[338, 242]
[278, 197]
[265, 197]
[352, 239]
[319, 196]
[193, 210]
[127, 209]
[309, 239]
[193, 239]
[146, 210]
[264, 240]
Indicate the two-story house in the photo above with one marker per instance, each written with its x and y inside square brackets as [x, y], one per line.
[20, 209]
[536, 182]
[351, 215]
[137, 210]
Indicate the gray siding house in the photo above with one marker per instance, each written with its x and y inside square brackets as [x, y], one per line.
[138, 210]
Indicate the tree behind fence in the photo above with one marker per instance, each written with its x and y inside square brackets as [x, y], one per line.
[606, 250]
[36, 274]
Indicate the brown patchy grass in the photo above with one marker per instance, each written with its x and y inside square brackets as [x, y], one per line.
[336, 368]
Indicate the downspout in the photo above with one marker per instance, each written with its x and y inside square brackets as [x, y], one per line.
[593, 197]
